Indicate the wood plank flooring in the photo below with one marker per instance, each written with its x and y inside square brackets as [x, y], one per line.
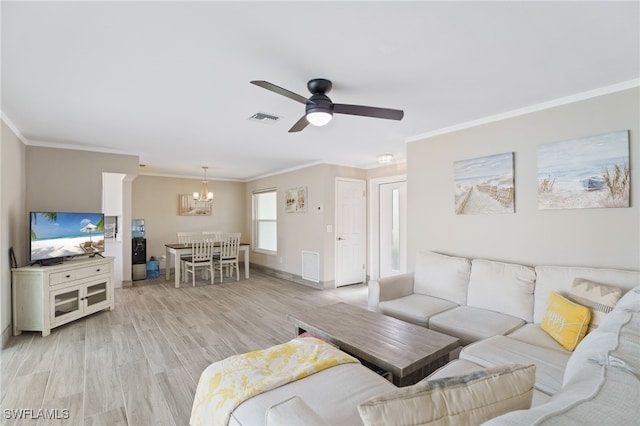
[140, 363]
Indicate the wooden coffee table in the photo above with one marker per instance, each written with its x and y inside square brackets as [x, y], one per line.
[409, 352]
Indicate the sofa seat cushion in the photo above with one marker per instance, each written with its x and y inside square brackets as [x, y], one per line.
[333, 394]
[472, 324]
[415, 308]
[499, 350]
[459, 367]
[535, 335]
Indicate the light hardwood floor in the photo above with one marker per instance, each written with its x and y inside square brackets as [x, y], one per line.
[140, 363]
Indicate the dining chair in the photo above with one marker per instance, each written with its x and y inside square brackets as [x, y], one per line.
[212, 234]
[227, 256]
[184, 238]
[201, 256]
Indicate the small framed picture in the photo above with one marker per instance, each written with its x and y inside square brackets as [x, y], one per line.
[296, 200]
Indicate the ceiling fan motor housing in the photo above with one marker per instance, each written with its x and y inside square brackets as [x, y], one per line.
[319, 103]
[319, 85]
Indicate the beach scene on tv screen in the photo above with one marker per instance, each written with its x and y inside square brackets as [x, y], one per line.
[56, 234]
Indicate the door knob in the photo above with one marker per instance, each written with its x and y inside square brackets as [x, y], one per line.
[340, 238]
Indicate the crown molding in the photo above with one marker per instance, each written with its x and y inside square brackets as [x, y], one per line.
[13, 128]
[527, 110]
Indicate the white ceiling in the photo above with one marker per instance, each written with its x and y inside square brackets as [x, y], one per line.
[169, 81]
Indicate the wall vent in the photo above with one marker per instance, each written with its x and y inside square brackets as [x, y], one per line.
[311, 266]
[264, 118]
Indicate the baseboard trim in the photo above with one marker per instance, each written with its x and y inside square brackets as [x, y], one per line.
[6, 335]
[322, 285]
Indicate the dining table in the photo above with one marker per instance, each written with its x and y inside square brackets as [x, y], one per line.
[176, 250]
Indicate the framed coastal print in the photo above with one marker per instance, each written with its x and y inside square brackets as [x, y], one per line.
[484, 185]
[296, 200]
[589, 172]
[187, 206]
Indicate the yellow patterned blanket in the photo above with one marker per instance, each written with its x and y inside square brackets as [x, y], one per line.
[226, 384]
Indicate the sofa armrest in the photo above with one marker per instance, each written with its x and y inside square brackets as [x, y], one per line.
[389, 288]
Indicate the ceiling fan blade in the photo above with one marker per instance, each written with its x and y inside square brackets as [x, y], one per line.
[367, 111]
[300, 125]
[279, 90]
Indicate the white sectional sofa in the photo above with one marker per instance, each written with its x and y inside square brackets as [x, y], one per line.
[502, 313]
[496, 309]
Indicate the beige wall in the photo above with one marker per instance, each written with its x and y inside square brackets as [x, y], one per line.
[306, 231]
[14, 218]
[593, 237]
[71, 180]
[385, 171]
[155, 199]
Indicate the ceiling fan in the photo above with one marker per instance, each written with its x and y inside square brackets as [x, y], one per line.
[319, 109]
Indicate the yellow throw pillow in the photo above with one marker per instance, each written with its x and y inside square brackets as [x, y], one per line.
[566, 321]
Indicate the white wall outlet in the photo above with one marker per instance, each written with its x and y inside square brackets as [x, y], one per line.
[281, 260]
[329, 228]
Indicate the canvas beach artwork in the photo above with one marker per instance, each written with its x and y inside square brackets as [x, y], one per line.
[187, 206]
[590, 172]
[484, 185]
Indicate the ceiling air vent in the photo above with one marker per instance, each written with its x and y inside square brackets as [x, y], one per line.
[264, 118]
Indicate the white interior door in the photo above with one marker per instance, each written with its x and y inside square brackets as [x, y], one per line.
[350, 232]
[393, 228]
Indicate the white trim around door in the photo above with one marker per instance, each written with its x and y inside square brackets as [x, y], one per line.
[374, 222]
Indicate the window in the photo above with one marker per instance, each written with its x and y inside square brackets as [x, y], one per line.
[265, 214]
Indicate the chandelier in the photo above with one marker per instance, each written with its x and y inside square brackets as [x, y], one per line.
[204, 195]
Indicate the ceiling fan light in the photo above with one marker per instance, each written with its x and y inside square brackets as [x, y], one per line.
[385, 158]
[319, 118]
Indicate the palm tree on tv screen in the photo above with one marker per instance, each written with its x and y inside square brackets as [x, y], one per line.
[100, 224]
[51, 217]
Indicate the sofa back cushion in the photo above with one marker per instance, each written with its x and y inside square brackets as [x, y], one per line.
[445, 277]
[502, 287]
[560, 279]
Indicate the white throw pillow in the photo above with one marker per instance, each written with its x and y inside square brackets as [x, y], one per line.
[599, 298]
[462, 400]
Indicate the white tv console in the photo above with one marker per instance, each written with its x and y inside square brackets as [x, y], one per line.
[45, 297]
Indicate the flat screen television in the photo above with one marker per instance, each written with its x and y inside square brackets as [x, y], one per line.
[59, 235]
